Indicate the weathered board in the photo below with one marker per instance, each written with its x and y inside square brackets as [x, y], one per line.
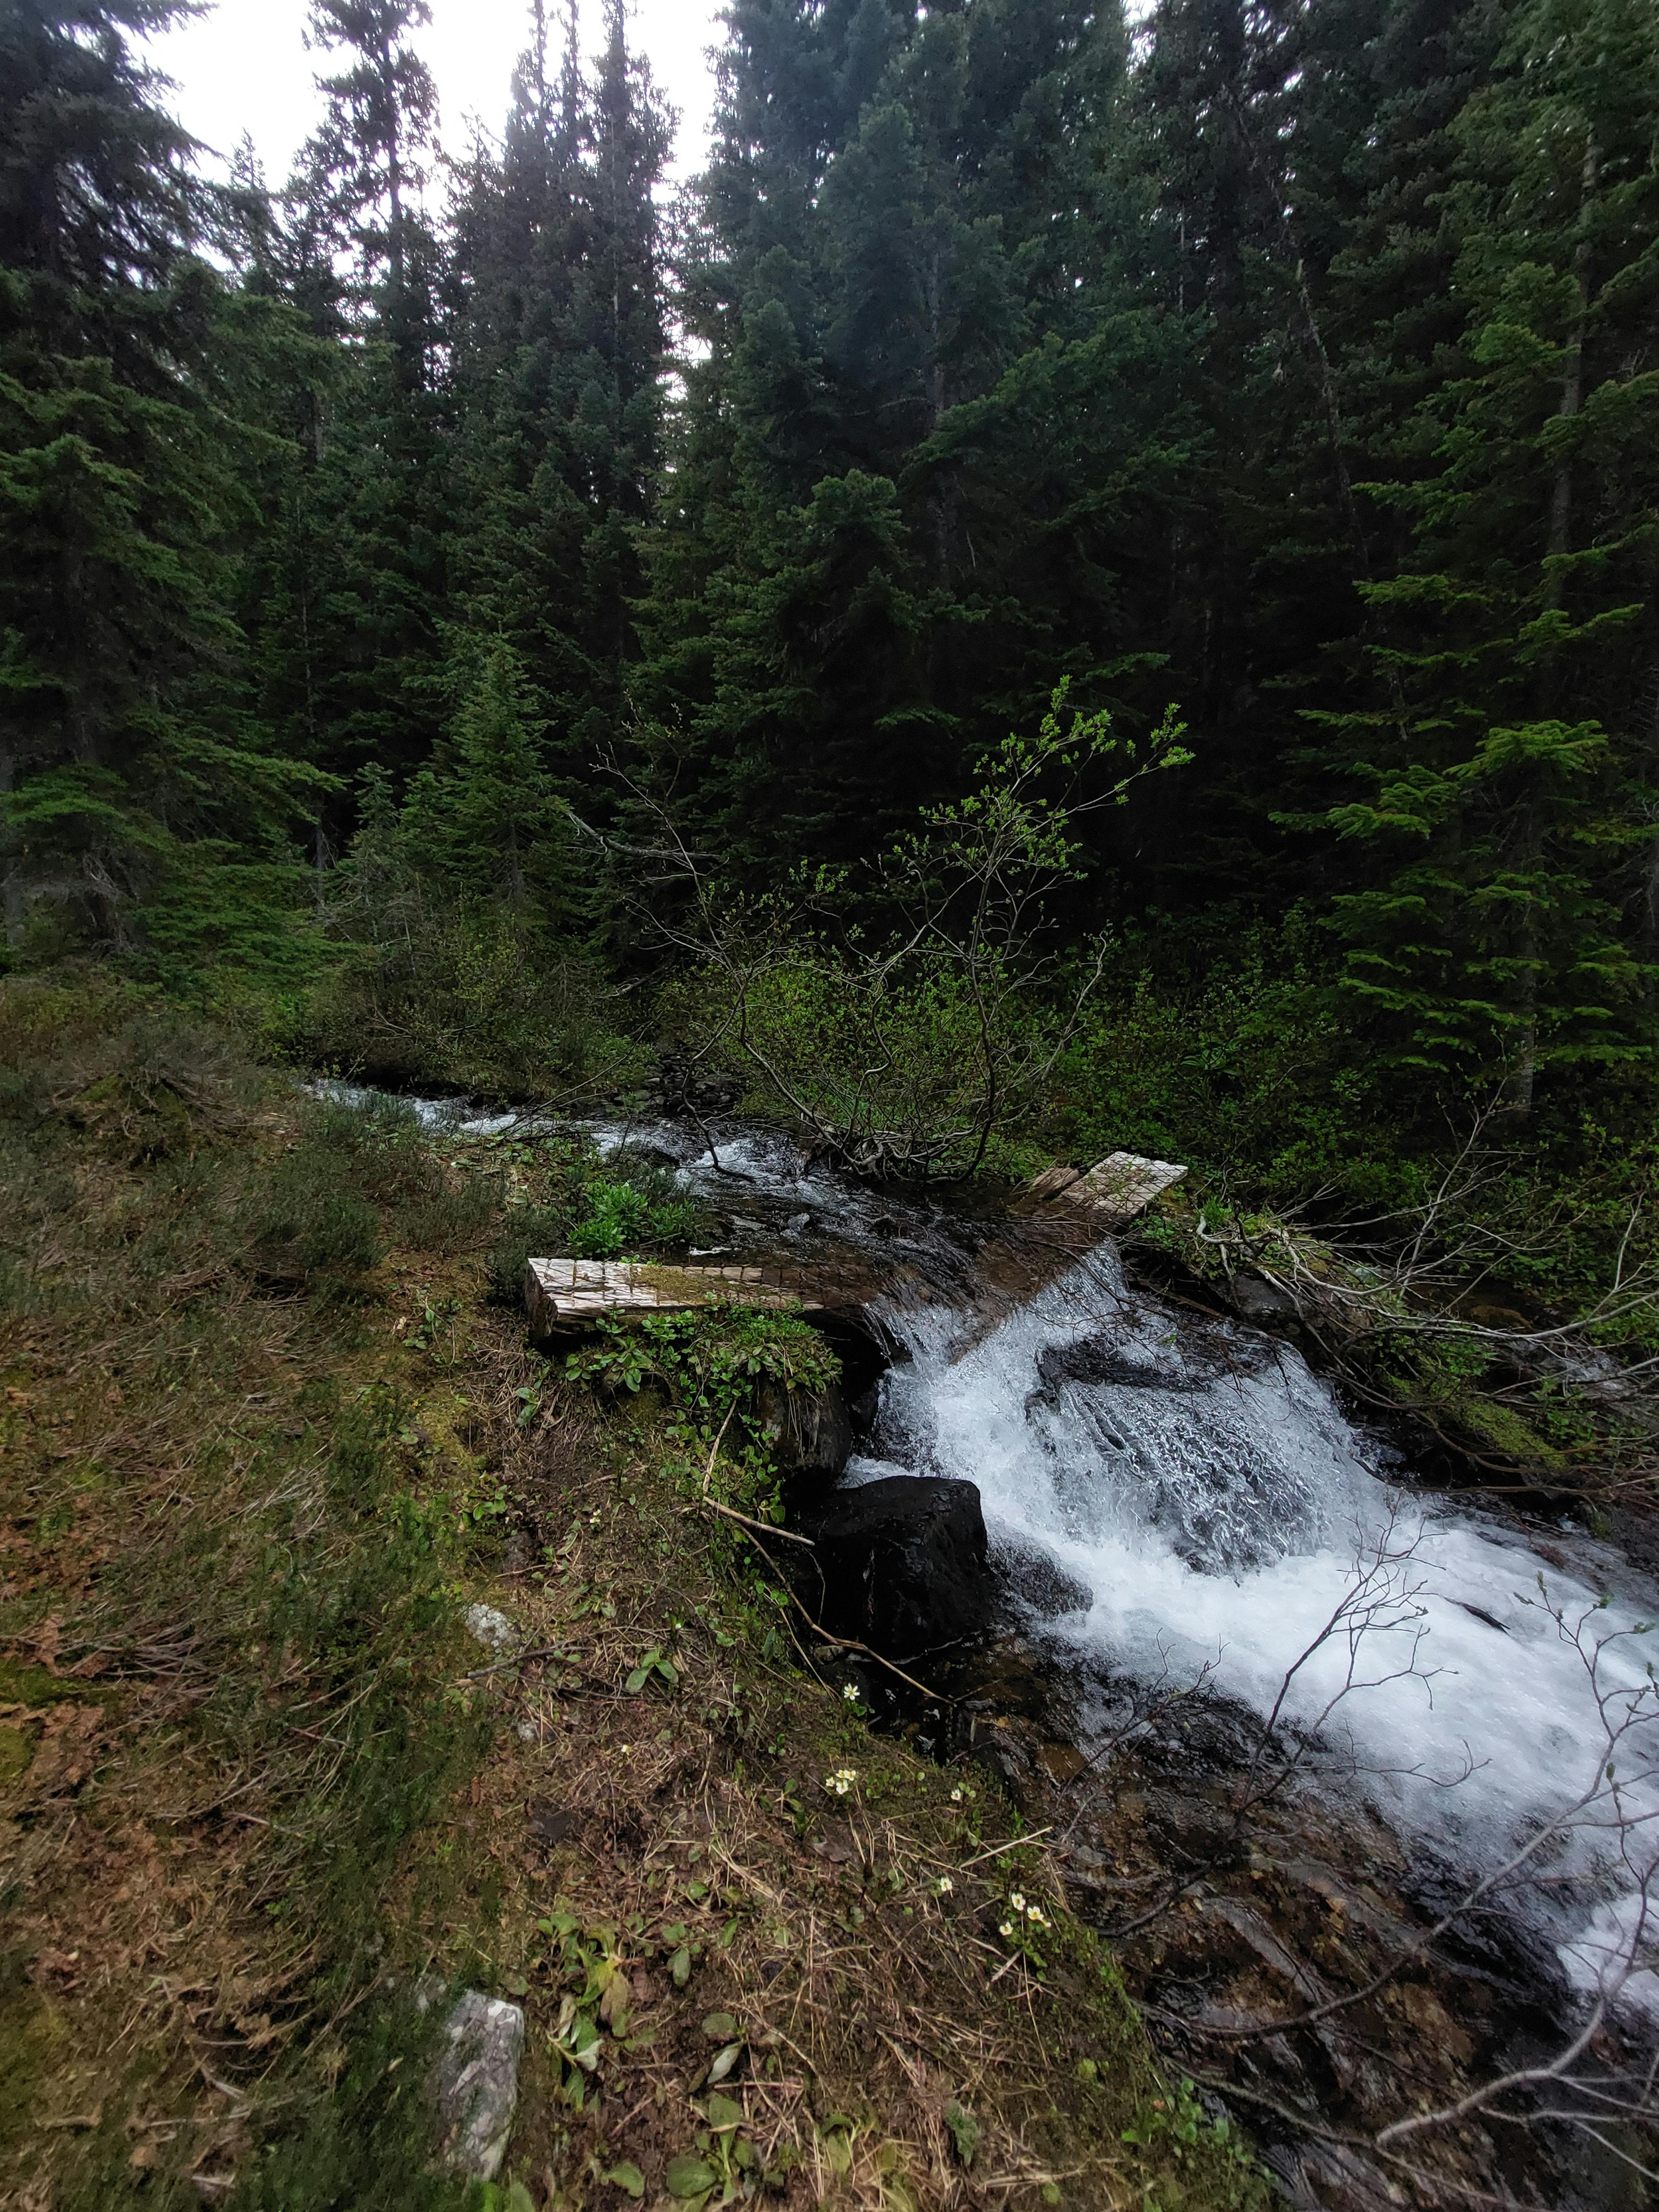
[1122, 1186]
[1112, 1192]
[564, 1294]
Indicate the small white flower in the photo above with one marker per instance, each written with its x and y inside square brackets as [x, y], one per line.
[850, 1691]
[1007, 1929]
[1018, 1902]
[955, 1796]
[1035, 1912]
[945, 1885]
[841, 1780]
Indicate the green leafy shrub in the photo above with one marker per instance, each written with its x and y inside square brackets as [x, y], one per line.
[1225, 1047]
[714, 1364]
[587, 1210]
[912, 1023]
[623, 1217]
[468, 996]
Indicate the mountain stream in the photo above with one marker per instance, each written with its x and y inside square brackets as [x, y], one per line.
[1197, 1537]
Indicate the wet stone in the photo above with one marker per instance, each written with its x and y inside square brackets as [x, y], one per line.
[810, 1431]
[904, 1564]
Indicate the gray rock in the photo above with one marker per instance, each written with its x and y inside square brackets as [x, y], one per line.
[475, 2082]
[492, 1629]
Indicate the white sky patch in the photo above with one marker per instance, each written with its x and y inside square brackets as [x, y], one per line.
[244, 67]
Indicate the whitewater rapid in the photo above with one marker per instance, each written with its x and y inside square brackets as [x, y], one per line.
[1208, 1510]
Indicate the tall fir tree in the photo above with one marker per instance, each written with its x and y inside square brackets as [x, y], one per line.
[559, 353]
[894, 256]
[349, 640]
[124, 725]
[1506, 757]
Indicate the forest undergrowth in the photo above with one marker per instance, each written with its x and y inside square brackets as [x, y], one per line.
[270, 1429]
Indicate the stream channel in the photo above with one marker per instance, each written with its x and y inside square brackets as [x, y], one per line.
[1177, 1508]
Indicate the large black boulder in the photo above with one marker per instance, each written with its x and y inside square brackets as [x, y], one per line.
[904, 1564]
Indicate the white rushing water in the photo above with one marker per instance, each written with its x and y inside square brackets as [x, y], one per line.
[1214, 1509]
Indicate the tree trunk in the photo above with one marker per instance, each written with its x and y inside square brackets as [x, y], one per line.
[1572, 386]
[394, 173]
[942, 501]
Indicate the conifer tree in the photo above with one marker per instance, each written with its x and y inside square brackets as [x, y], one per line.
[895, 228]
[483, 819]
[122, 720]
[1508, 750]
[350, 646]
[382, 109]
[558, 349]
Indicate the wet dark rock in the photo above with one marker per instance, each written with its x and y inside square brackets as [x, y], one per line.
[1256, 1298]
[685, 1087]
[1002, 1753]
[904, 1565]
[1063, 1764]
[810, 1431]
[1003, 1678]
[1096, 1360]
[1036, 1584]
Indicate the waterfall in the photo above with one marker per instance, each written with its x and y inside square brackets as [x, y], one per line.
[1200, 1495]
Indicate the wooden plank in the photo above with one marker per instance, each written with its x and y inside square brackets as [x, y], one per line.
[1122, 1185]
[564, 1294]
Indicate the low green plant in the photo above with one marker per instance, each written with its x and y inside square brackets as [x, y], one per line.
[367, 2145]
[714, 1363]
[264, 1557]
[588, 1967]
[912, 1020]
[581, 1207]
[461, 991]
[309, 1220]
[622, 1217]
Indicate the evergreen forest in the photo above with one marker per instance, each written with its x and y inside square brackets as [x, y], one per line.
[394, 555]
